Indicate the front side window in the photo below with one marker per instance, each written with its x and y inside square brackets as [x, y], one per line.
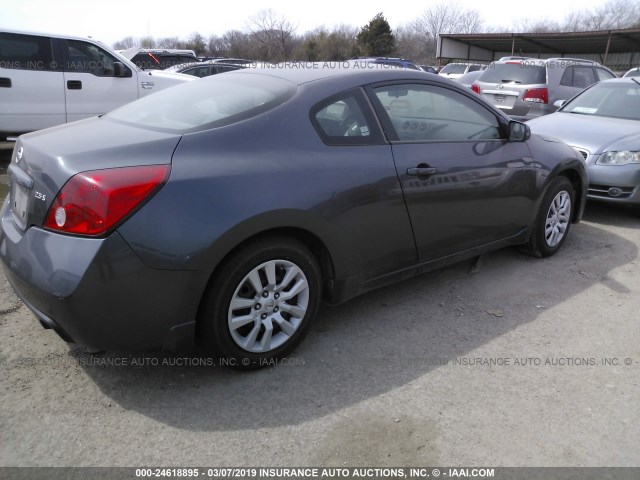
[26, 52]
[85, 57]
[420, 113]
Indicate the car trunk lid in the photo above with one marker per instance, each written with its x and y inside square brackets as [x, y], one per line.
[42, 162]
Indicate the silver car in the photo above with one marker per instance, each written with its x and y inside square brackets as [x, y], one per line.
[528, 88]
[603, 124]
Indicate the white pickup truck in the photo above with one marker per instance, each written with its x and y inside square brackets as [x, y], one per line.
[47, 80]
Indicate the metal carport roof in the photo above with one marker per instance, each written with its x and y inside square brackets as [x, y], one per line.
[615, 48]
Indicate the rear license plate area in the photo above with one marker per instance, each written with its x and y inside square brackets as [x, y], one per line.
[19, 204]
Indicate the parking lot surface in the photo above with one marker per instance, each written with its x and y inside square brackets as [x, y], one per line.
[502, 361]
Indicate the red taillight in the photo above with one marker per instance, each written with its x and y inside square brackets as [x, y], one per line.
[475, 88]
[90, 203]
[536, 95]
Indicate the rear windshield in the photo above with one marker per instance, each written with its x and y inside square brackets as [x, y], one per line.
[524, 73]
[158, 61]
[454, 68]
[207, 103]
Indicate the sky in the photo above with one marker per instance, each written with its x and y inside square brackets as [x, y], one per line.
[110, 21]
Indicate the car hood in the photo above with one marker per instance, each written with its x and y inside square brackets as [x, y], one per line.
[596, 134]
[163, 75]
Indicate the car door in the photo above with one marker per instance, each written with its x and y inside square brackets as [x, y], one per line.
[464, 184]
[31, 84]
[367, 199]
[90, 85]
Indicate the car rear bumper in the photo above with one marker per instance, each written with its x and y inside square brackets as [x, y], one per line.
[97, 292]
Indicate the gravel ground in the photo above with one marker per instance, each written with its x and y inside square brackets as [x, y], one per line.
[504, 361]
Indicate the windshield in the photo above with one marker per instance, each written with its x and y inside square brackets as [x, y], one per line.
[518, 72]
[608, 99]
[207, 103]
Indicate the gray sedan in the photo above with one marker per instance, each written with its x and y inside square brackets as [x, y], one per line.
[603, 124]
[223, 211]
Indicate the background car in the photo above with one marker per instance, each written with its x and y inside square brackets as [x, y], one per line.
[224, 210]
[526, 89]
[603, 124]
[456, 70]
[204, 69]
[634, 72]
[157, 58]
[428, 69]
[468, 78]
[389, 61]
[47, 80]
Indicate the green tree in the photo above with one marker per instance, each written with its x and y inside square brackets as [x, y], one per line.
[376, 38]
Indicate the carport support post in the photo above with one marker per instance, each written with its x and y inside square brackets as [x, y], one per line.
[606, 53]
[513, 43]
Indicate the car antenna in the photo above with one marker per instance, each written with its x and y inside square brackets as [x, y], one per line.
[632, 78]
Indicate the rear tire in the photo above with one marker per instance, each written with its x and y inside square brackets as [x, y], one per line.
[553, 221]
[261, 302]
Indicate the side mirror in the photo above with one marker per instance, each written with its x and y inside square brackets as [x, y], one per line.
[518, 132]
[120, 70]
[559, 103]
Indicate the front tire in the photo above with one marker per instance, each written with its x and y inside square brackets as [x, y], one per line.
[553, 221]
[262, 302]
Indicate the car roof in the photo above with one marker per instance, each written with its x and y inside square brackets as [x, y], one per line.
[305, 72]
[622, 80]
[49, 34]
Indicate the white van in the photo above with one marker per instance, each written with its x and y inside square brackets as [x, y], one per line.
[46, 80]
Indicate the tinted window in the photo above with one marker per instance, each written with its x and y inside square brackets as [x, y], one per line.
[523, 73]
[343, 120]
[211, 102]
[583, 77]
[26, 52]
[428, 113]
[85, 57]
[198, 71]
[159, 60]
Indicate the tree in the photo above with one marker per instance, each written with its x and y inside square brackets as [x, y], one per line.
[147, 42]
[376, 38]
[127, 42]
[274, 34]
[196, 43]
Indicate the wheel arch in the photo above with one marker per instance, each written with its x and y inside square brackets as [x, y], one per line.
[580, 191]
[309, 239]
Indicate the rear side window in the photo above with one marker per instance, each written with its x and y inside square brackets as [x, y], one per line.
[579, 77]
[523, 73]
[345, 120]
[603, 74]
[214, 101]
[26, 52]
